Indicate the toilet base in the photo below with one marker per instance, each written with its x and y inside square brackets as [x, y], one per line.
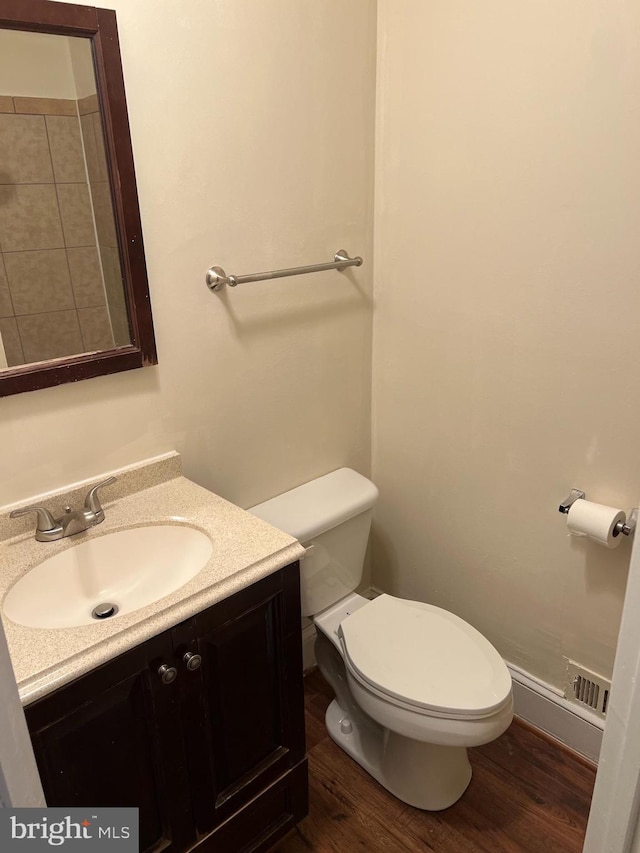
[424, 775]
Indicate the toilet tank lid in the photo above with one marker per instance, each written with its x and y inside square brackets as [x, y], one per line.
[320, 505]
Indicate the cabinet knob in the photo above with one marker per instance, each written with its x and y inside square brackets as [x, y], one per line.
[192, 661]
[167, 673]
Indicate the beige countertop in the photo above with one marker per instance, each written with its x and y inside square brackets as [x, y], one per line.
[245, 549]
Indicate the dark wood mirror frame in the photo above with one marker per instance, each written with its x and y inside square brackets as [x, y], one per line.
[98, 25]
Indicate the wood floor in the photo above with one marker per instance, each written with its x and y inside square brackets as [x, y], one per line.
[527, 795]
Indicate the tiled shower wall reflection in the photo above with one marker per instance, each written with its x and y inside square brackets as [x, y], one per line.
[52, 291]
[91, 129]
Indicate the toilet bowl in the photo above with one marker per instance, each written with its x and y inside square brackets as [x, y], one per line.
[415, 685]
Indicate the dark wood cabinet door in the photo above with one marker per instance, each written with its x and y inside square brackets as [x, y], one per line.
[264, 820]
[219, 748]
[114, 738]
[246, 701]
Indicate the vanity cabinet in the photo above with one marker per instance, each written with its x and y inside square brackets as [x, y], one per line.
[201, 727]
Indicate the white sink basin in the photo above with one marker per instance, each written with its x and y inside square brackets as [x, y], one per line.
[128, 568]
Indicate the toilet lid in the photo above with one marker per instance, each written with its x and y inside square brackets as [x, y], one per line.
[424, 656]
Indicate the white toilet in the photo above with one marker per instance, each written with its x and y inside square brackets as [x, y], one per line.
[415, 685]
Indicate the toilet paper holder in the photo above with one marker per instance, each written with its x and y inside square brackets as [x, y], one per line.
[627, 527]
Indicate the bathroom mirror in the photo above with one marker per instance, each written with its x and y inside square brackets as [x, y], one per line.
[74, 297]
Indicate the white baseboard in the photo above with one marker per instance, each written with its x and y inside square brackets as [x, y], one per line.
[535, 702]
[544, 707]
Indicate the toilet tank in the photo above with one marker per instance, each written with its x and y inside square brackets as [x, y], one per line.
[331, 516]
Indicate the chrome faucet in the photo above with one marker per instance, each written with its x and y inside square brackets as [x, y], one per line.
[48, 528]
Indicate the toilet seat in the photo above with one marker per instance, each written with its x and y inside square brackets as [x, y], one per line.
[423, 658]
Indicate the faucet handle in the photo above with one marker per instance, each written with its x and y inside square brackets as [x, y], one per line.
[46, 522]
[92, 501]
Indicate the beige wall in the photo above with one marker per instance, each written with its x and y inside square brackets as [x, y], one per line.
[35, 65]
[507, 305]
[252, 126]
[507, 297]
[84, 77]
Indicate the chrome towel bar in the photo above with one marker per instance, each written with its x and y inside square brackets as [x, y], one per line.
[217, 277]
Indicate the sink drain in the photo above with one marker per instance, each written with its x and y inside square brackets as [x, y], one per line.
[104, 611]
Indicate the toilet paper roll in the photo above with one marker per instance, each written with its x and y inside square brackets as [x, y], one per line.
[596, 521]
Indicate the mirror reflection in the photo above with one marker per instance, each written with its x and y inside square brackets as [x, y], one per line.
[61, 283]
